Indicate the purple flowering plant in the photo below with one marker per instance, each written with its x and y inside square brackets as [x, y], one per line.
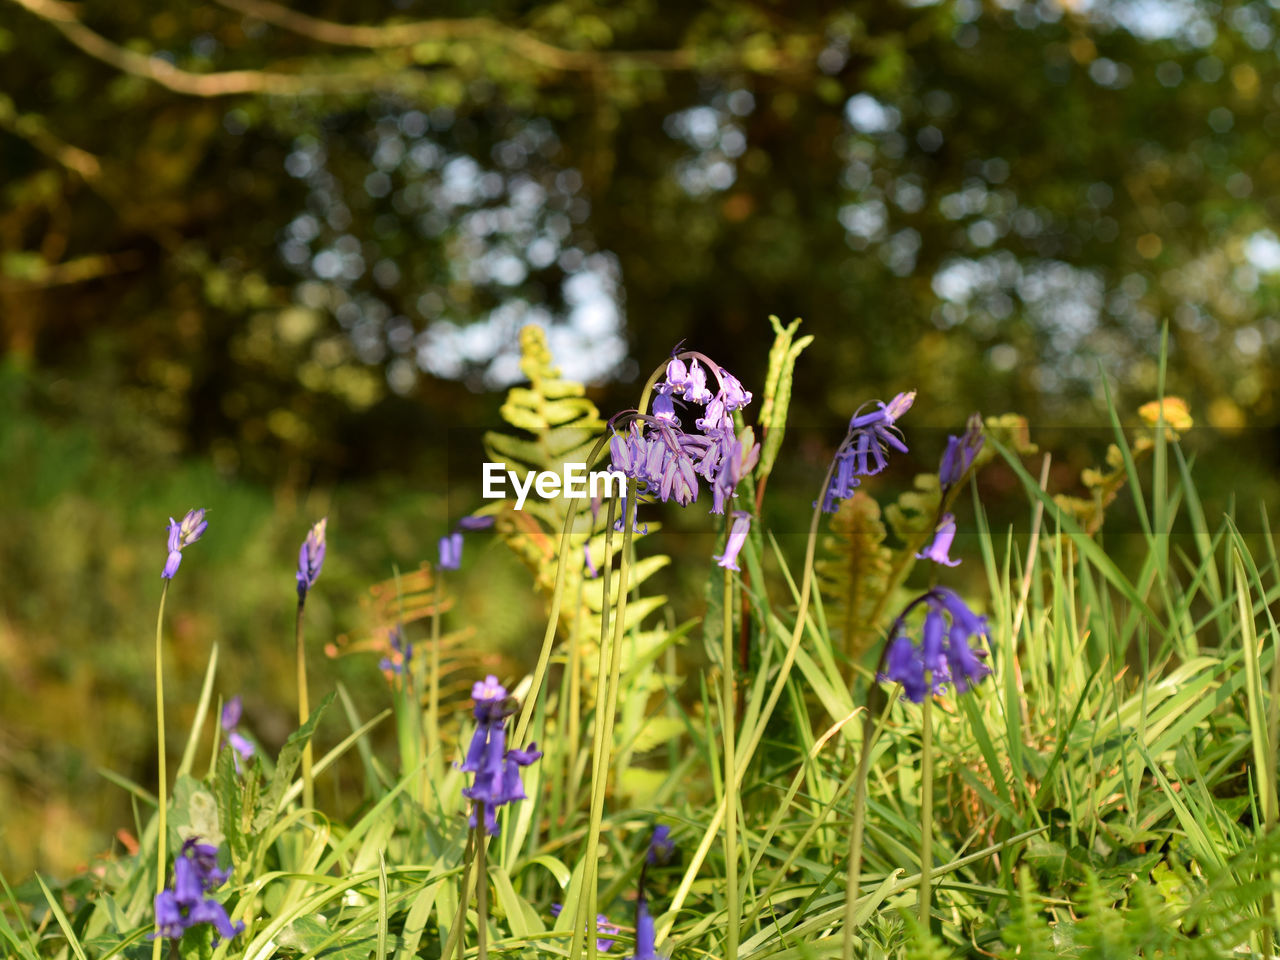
[181, 536]
[187, 904]
[496, 768]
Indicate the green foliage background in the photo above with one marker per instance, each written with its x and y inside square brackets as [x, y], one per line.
[982, 200]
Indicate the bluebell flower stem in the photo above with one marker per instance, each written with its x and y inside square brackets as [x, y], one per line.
[456, 939]
[162, 805]
[853, 882]
[728, 707]
[304, 707]
[606, 708]
[433, 688]
[926, 801]
[756, 733]
[482, 886]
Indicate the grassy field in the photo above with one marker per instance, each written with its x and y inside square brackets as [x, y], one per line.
[1109, 790]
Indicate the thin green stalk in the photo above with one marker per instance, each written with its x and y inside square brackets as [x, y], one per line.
[162, 825]
[575, 699]
[433, 686]
[455, 932]
[926, 801]
[482, 887]
[728, 707]
[757, 732]
[853, 882]
[304, 707]
[606, 708]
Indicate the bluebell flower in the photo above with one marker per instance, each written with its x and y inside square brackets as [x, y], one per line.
[646, 936]
[661, 846]
[311, 558]
[865, 449]
[195, 873]
[668, 461]
[182, 535]
[471, 522]
[960, 453]
[397, 662]
[605, 931]
[588, 565]
[737, 537]
[496, 770]
[230, 722]
[945, 652]
[938, 550]
[451, 551]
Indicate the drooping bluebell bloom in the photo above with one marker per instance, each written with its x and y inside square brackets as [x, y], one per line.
[945, 652]
[497, 778]
[230, 721]
[471, 522]
[938, 550]
[605, 931]
[661, 846]
[864, 451]
[646, 936]
[451, 551]
[195, 873]
[667, 460]
[311, 558]
[737, 537]
[401, 652]
[182, 535]
[960, 453]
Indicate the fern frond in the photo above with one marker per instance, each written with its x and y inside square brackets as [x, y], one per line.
[855, 573]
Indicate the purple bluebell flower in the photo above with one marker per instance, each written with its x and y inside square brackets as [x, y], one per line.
[230, 721]
[661, 846]
[591, 569]
[938, 550]
[646, 936]
[605, 931]
[960, 453]
[668, 461]
[451, 551]
[664, 407]
[401, 653]
[195, 874]
[864, 451]
[737, 537]
[311, 558]
[182, 535]
[497, 778]
[945, 651]
[471, 522]
[695, 389]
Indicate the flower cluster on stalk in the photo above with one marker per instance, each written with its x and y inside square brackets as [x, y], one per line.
[667, 460]
[450, 554]
[182, 535]
[864, 451]
[195, 873]
[944, 654]
[497, 769]
[401, 655]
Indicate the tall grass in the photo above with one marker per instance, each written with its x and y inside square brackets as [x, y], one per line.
[1111, 791]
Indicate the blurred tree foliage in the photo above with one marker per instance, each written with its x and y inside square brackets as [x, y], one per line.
[269, 230]
[271, 244]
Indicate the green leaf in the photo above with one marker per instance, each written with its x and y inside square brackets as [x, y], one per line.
[286, 764]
